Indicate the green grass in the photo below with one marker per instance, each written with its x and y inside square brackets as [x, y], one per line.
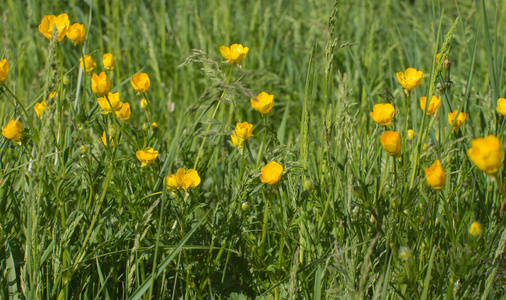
[93, 224]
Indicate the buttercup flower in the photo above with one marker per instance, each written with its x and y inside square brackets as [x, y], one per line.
[52, 95]
[100, 84]
[154, 125]
[103, 139]
[48, 22]
[435, 176]
[88, 64]
[433, 105]
[115, 103]
[12, 130]
[144, 103]
[4, 70]
[486, 154]
[237, 142]
[146, 156]
[410, 79]
[40, 107]
[458, 122]
[124, 113]
[271, 173]
[501, 106]
[108, 61]
[171, 182]
[243, 130]
[391, 142]
[263, 103]
[234, 54]
[383, 113]
[475, 229]
[411, 134]
[187, 179]
[75, 33]
[140, 82]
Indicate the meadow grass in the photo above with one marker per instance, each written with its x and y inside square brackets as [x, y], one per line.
[83, 220]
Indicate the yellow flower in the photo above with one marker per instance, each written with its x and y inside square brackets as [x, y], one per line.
[12, 130]
[171, 182]
[243, 130]
[410, 79]
[486, 154]
[140, 82]
[146, 156]
[237, 142]
[40, 107]
[391, 142]
[383, 113]
[263, 103]
[435, 176]
[154, 125]
[501, 106]
[187, 179]
[475, 229]
[89, 64]
[100, 84]
[144, 103]
[52, 95]
[124, 113]
[75, 33]
[50, 21]
[234, 54]
[458, 122]
[411, 134]
[113, 99]
[433, 105]
[108, 61]
[4, 70]
[103, 139]
[271, 173]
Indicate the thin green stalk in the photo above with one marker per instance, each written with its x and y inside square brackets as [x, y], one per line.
[384, 174]
[212, 117]
[243, 160]
[264, 227]
[261, 153]
[160, 222]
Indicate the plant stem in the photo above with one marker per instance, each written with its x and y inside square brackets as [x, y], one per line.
[259, 159]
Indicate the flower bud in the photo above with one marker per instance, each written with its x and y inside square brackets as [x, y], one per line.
[405, 253]
[111, 131]
[144, 103]
[245, 205]
[146, 126]
[308, 184]
[66, 80]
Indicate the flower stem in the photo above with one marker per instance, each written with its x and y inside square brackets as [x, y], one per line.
[384, 174]
[259, 159]
[212, 117]
[503, 191]
[241, 172]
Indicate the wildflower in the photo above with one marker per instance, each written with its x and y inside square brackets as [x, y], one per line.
[433, 105]
[75, 33]
[108, 61]
[391, 142]
[140, 82]
[383, 113]
[88, 64]
[171, 182]
[475, 229]
[271, 173]
[262, 103]
[124, 113]
[50, 21]
[146, 156]
[237, 142]
[458, 122]
[4, 70]
[486, 154]
[435, 175]
[243, 130]
[501, 106]
[154, 125]
[40, 107]
[187, 179]
[411, 134]
[12, 130]
[144, 103]
[103, 139]
[410, 79]
[52, 95]
[100, 84]
[234, 54]
[113, 99]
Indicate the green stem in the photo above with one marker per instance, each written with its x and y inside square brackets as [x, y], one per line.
[160, 222]
[212, 117]
[259, 159]
[243, 160]
[264, 228]
[384, 174]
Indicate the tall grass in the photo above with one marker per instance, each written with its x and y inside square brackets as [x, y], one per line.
[79, 219]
